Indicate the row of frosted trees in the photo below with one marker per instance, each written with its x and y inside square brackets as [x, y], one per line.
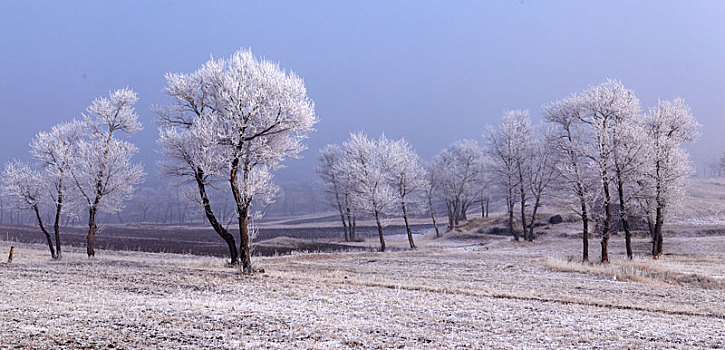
[233, 121]
[229, 125]
[596, 153]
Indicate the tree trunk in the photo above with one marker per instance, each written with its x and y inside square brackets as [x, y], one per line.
[488, 200]
[380, 231]
[244, 242]
[449, 205]
[511, 216]
[56, 223]
[533, 218]
[353, 227]
[342, 214]
[607, 220]
[432, 216]
[90, 239]
[45, 232]
[407, 226]
[585, 225]
[623, 215]
[523, 213]
[218, 228]
[657, 242]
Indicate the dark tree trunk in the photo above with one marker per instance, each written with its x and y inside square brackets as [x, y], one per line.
[218, 228]
[523, 213]
[607, 219]
[585, 224]
[45, 232]
[657, 242]
[623, 215]
[380, 231]
[56, 222]
[511, 216]
[353, 227]
[342, 214]
[488, 200]
[407, 226]
[244, 242]
[464, 209]
[92, 228]
[449, 207]
[537, 202]
[432, 216]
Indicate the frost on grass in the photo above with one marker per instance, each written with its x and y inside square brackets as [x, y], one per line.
[440, 296]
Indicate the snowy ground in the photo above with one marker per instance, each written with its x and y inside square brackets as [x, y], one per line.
[482, 292]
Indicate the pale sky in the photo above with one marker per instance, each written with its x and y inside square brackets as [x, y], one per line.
[432, 72]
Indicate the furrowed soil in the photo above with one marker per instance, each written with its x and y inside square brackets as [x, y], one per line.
[468, 291]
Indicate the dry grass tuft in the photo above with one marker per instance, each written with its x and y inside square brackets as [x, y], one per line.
[637, 270]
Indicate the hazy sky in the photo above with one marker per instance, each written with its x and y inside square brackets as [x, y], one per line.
[432, 72]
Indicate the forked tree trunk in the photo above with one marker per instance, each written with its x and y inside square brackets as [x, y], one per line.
[218, 228]
[380, 231]
[242, 205]
[407, 226]
[449, 205]
[45, 232]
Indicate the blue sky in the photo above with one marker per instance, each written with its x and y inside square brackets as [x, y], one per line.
[432, 72]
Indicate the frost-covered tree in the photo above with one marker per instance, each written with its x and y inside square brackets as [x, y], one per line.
[408, 178]
[26, 189]
[430, 189]
[368, 164]
[567, 139]
[667, 126]
[603, 105]
[56, 150]
[542, 171]
[101, 167]
[509, 148]
[459, 168]
[243, 116]
[330, 155]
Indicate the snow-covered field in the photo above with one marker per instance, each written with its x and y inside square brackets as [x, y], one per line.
[483, 292]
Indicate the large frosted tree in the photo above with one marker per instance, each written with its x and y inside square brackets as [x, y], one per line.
[668, 126]
[408, 178]
[55, 150]
[101, 169]
[26, 189]
[242, 116]
[603, 106]
[368, 165]
[459, 171]
[567, 139]
[335, 182]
